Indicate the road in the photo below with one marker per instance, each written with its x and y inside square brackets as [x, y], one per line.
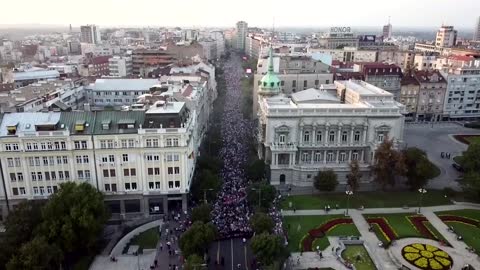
[234, 253]
[435, 140]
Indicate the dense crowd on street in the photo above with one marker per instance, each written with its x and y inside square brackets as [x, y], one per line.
[231, 212]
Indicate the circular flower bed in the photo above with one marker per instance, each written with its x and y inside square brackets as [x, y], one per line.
[427, 257]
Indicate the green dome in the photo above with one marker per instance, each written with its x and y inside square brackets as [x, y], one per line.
[270, 83]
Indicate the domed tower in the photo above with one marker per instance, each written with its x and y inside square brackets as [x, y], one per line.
[270, 83]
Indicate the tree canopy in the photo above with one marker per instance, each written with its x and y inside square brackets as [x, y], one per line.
[201, 213]
[73, 218]
[194, 262]
[326, 180]
[261, 223]
[388, 164]
[268, 248]
[354, 176]
[256, 170]
[208, 182]
[261, 191]
[470, 159]
[197, 238]
[418, 168]
[36, 254]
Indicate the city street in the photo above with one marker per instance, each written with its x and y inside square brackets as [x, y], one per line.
[233, 251]
[434, 140]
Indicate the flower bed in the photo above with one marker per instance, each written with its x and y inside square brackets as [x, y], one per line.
[386, 229]
[418, 223]
[465, 220]
[321, 231]
[427, 257]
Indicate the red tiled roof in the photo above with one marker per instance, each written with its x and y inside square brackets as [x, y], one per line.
[461, 58]
[423, 76]
[381, 69]
[349, 75]
[100, 60]
[188, 91]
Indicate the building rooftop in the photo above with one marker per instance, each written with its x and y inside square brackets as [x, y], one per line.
[26, 122]
[36, 75]
[118, 122]
[363, 88]
[314, 95]
[162, 107]
[124, 84]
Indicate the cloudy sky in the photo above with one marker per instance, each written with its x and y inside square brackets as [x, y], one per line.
[195, 13]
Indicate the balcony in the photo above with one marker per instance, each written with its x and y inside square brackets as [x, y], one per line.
[283, 146]
[44, 133]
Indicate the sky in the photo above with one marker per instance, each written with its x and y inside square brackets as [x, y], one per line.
[261, 13]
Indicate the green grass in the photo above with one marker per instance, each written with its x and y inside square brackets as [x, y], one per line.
[457, 159]
[473, 139]
[367, 199]
[298, 226]
[351, 253]
[470, 234]
[146, 240]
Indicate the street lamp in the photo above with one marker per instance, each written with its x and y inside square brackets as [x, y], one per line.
[205, 194]
[259, 195]
[349, 193]
[421, 191]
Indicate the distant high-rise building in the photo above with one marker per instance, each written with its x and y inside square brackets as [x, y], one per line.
[90, 34]
[387, 31]
[446, 37]
[476, 34]
[242, 29]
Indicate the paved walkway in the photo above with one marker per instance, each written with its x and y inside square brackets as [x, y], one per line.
[381, 257]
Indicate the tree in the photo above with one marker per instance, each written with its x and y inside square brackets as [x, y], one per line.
[388, 164]
[194, 262]
[326, 180]
[36, 254]
[256, 170]
[74, 218]
[353, 178]
[207, 183]
[470, 160]
[19, 228]
[201, 213]
[268, 248]
[261, 191]
[418, 168]
[261, 223]
[197, 238]
[471, 184]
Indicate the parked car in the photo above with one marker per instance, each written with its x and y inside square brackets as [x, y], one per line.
[457, 167]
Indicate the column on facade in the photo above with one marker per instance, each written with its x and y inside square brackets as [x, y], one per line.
[362, 158]
[351, 134]
[339, 137]
[301, 134]
[350, 155]
[313, 138]
[311, 156]
[290, 158]
[324, 156]
[365, 134]
[325, 137]
[337, 154]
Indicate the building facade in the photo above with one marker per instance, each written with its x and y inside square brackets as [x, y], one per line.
[118, 92]
[476, 33]
[120, 66]
[142, 161]
[462, 100]
[387, 31]
[347, 54]
[446, 37]
[431, 95]
[90, 34]
[241, 35]
[384, 76]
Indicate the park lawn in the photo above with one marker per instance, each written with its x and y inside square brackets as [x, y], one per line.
[147, 239]
[400, 224]
[298, 226]
[470, 234]
[367, 199]
[473, 139]
[351, 253]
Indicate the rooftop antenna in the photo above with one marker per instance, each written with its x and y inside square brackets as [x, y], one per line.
[273, 31]
[388, 19]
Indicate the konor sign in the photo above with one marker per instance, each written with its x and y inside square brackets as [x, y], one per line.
[340, 30]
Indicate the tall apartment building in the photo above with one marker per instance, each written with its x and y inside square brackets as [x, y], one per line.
[347, 54]
[90, 34]
[446, 37]
[120, 66]
[326, 128]
[476, 33]
[145, 60]
[241, 35]
[220, 40]
[387, 31]
[462, 100]
[431, 95]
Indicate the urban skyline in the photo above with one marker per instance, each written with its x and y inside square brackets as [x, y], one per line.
[215, 13]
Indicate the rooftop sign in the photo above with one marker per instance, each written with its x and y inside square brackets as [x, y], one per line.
[341, 29]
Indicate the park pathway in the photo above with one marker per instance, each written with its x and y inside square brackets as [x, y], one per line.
[379, 255]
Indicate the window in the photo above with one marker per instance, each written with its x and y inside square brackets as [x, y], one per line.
[176, 157]
[355, 155]
[169, 142]
[177, 184]
[343, 156]
[282, 138]
[294, 83]
[125, 157]
[317, 82]
[356, 136]
[175, 141]
[47, 176]
[134, 186]
[53, 176]
[10, 162]
[45, 160]
[150, 185]
[39, 176]
[114, 187]
[42, 190]
[156, 171]
[20, 177]
[31, 161]
[105, 173]
[344, 136]
[126, 172]
[35, 190]
[317, 157]
[60, 175]
[34, 176]
[319, 136]
[13, 177]
[305, 157]
[29, 146]
[112, 173]
[63, 145]
[104, 159]
[170, 184]
[65, 159]
[331, 137]
[49, 189]
[329, 156]
[22, 191]
[170, 170]
[380, 137]
[111, 158]
[85, 159]
[107, 187]
[80, 174]
[133, 172]
[87, 174]
[15, 191]
[51, 160]
[79, 159]
[127, 186]
[67, 175]
[306, 136]
[305, 83]
[177, 170]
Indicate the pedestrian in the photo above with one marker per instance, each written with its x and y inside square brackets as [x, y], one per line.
[442, 154]
[244, 240]
[294, 209]
[155, 263]
[222, 261]
[161, 247]
[238, 266]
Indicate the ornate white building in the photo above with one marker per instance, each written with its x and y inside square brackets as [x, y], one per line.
[326, 128]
